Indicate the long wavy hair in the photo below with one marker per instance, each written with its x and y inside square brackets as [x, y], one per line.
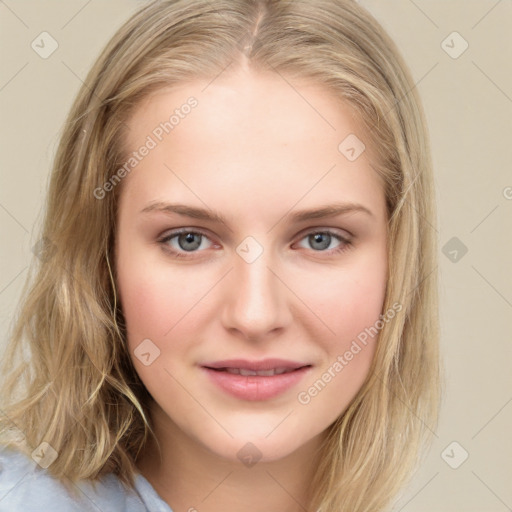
[68, 376]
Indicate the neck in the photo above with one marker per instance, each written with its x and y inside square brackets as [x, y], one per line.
[189, 477]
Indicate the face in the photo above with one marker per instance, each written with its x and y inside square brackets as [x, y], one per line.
[226, 276]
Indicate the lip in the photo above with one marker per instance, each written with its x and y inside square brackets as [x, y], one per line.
[265, 364]
[255, 387]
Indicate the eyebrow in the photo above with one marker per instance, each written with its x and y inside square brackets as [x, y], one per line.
[331, 210]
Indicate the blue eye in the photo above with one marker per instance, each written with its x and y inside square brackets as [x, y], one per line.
[187, 241]
[321, 240]
[183, 243]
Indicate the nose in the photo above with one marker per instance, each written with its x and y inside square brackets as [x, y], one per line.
[257, 304]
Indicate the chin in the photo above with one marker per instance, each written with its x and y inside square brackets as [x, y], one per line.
[255, 445]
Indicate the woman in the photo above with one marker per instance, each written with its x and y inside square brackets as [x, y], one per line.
[235, 305]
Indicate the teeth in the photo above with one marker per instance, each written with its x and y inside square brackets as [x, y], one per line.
[266, 373]
[261, 373]
[247, 372]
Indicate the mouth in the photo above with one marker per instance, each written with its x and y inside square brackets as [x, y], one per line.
[261, 373]
[255, 380]
[264, 368]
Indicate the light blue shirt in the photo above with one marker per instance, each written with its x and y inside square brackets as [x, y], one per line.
[26, 487]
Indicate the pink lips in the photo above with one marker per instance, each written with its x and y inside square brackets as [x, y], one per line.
[237, 377]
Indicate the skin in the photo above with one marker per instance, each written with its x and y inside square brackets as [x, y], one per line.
[255, 151]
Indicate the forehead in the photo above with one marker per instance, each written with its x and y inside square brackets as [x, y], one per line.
[260, 136]
[244, 100]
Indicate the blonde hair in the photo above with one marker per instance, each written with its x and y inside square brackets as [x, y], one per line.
[77, 388]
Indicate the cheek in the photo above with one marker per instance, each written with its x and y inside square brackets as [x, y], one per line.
[144, 309]
[155, 302]
[153, 297]
[350, 306]
[347, 301]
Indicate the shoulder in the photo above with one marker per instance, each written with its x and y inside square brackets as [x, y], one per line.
[26, 487]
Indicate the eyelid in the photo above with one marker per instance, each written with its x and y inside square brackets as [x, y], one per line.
[168, 235]
[321, 229]
[342, 233]
[345, 242]
[335, 232]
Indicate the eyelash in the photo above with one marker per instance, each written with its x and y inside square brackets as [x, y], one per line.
[346, 244]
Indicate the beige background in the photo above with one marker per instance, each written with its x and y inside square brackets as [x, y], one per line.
[468, 101]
